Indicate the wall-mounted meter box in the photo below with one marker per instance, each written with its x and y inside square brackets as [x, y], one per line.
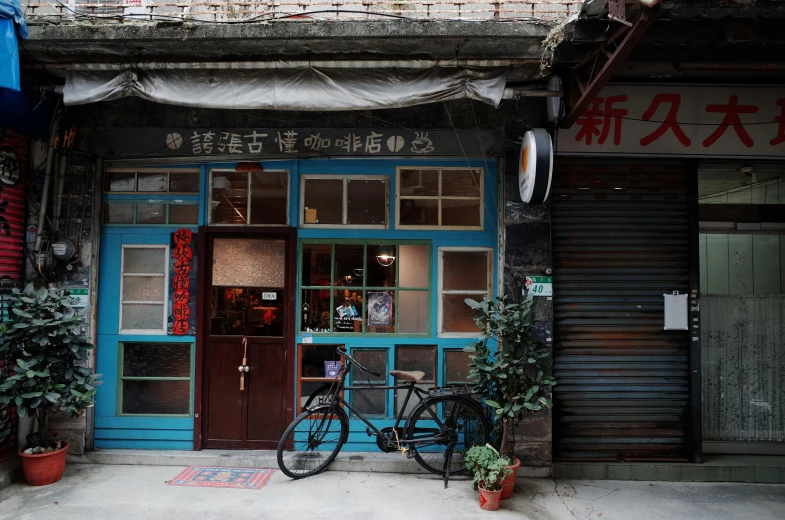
[676, 311]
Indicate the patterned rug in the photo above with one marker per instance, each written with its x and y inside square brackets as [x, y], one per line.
[243, 478]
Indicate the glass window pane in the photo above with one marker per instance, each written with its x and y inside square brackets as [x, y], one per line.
[370, 402]
[417, 358]
[456, 366]
[456, 212]
[315, 310]
[120, 181]
[317, 262]
[157, 397]
[419, 212]
[149, 260]
[116, 213]
[380, 312]
[456, 315]
[229, 204]
[183, 213]
[323, 201]
[348, 311]
[151, 214]
[465, 270]
[375, 360]
[184, 182]
[242, 311]
[313, 358]
[140, 316]
[151, 181]
[348, 262]
[419, 182]
[413, 312]
[379, 275]
[269, 194]
[367, 202]
[461, 183]
[249, 262]
[144, 288]
[157, 359]
[414, 265]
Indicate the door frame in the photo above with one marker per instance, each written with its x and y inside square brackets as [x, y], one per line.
[204, 281]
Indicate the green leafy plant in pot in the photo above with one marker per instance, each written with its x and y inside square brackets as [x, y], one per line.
[47, 349]
[489, 470]
[511, 369]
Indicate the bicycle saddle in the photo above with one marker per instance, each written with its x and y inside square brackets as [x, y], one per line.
[407, 376]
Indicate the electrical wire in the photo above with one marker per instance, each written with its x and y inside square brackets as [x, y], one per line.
[272, 17]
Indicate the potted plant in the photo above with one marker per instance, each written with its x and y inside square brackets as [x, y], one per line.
[489, 470]
[46, 345]
[511, 369]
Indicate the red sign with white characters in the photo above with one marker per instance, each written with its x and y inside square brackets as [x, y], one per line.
[182, 270]
[680, 120]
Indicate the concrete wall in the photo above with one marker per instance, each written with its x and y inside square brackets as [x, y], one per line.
[528, 252]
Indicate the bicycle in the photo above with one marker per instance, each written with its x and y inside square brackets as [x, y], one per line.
[442, 426]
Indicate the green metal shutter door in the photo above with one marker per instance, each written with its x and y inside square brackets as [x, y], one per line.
[620, 241]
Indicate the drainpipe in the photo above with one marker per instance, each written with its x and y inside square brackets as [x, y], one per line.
[50, 156]
[57, 206]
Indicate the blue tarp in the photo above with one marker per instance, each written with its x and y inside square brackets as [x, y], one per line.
[12, 23]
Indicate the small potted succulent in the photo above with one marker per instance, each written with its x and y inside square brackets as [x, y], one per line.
[45, 343]
[489, 469]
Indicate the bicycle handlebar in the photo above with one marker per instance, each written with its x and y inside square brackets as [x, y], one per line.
[342, 352]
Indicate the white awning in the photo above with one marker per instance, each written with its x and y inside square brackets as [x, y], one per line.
[304, 88]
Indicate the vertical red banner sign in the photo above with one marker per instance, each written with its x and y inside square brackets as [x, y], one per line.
[14, 161]
[182, 268]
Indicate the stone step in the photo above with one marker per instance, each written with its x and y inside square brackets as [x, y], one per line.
[10, 471]
[369, 462]
[717, 468]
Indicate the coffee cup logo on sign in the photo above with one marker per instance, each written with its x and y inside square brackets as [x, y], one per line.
[535, 168]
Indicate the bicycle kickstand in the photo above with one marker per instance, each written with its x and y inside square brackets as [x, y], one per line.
[448, 463]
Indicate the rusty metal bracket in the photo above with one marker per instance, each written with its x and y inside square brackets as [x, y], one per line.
[614, 60]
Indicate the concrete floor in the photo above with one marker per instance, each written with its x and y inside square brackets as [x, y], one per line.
[140, 493]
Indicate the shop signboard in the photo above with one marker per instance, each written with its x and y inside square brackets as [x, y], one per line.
[680, 120]
[182, 293]
[535, 166]
[244, 143]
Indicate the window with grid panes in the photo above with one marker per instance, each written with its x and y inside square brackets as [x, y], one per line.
[155, 379]
[249, 198]
[413, 358]
[456, 367]
[344, 201]
[143, 288]
[463, 273]
[125, 204]
[439, 198]
[346, 289]
[370, 402]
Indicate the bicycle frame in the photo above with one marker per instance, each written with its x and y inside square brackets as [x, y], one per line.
[334, 396]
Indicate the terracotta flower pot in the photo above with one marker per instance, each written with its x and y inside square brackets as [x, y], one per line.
[45, 468]
[489, 500]
[508, 485]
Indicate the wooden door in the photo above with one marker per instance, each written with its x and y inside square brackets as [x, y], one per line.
[247, 315]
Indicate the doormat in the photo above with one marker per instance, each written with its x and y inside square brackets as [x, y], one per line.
[242, 478]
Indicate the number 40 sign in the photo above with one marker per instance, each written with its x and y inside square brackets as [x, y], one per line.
[539, 285]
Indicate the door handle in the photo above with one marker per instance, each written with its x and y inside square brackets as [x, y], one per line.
[243, 369]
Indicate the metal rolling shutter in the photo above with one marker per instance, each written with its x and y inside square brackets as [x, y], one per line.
[620, 241]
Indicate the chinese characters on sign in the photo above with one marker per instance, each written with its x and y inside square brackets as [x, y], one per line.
[182, 269]
[680, 120]
[365, 142]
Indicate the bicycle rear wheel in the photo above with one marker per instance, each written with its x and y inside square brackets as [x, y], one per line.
[464, 425]
[313, 441]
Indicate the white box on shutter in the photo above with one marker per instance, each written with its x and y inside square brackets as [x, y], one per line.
[676, 312]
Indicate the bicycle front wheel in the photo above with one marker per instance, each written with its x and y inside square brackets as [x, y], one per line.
[313, 441]
[463, 425]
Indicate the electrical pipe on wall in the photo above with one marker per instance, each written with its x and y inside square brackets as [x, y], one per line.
[57, 205]
[47, 180]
